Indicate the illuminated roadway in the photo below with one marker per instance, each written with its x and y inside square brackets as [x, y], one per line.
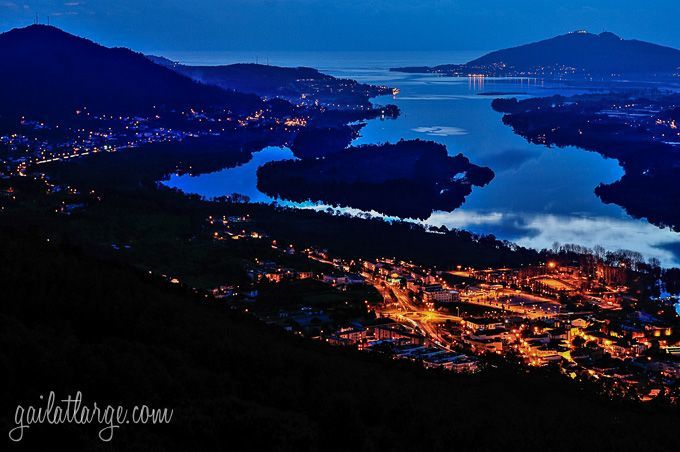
[427, 321]
[422, 319]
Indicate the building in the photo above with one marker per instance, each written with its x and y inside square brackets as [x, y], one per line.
[436, 293]
[397, 332]
[348, 336]
[481, 344]
[477, 324]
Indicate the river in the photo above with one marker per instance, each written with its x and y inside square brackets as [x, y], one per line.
[539, 196]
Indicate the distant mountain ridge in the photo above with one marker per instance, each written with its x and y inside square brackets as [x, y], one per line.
[578, 54]
[48, 71]
[295, 84]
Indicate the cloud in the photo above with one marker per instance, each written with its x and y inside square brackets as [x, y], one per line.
[541, 231]
[510, 159]
[441, 131]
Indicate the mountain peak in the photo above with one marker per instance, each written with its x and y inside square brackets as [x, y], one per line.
[40, 27]
[38, 30]
[585, 54]
[609, 35]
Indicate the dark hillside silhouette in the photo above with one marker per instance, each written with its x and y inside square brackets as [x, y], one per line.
[47, 71]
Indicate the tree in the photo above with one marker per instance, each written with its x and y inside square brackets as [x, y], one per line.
[671, 280]
[578, 342]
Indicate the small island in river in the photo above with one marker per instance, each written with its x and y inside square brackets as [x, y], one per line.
[408, 179]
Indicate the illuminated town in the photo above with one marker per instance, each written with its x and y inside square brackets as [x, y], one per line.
[578, 317]
[39, 143]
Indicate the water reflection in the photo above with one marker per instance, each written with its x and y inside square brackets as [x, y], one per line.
[539, 195]
[543, 230]
[242, 179]
[440, 131]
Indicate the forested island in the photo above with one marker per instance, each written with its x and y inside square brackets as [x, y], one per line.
[408, 179]
[640, 129]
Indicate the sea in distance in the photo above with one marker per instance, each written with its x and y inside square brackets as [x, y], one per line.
[539, 196]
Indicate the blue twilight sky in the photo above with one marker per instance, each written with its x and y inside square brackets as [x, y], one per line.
[343, 24]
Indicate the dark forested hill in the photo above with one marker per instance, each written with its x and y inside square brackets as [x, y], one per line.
[602, 54]
[48, 71]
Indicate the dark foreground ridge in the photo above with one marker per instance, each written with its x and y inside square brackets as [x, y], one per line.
[124, 337]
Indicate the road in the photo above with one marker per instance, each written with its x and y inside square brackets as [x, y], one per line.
[422, 319]
[536, 307]
[427, 321]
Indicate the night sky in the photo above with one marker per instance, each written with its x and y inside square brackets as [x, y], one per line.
[343, 24]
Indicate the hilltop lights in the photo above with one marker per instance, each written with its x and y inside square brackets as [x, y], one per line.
[295, 122]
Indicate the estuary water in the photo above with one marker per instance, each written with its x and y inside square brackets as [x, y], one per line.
[539, 196]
